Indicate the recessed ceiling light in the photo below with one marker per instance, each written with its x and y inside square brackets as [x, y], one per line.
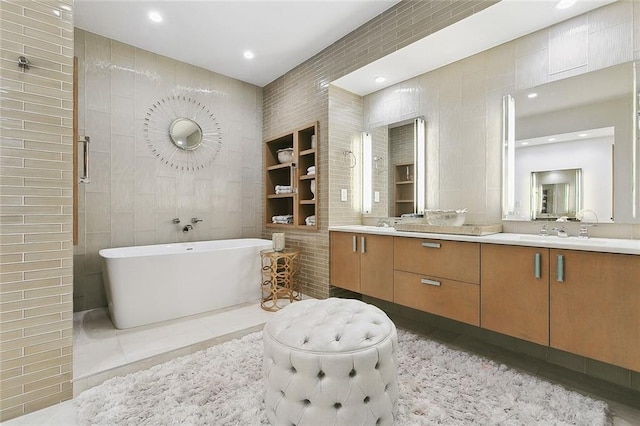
[524, 143]
[564, 4]
[155, 16]
[65, 7]
[248, 54]
[532, 95]
[551, 139]
[56, 12]
[583, 135]
[380, 79]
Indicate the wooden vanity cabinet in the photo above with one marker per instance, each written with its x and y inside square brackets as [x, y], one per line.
[455, 260]
[439, 277]
[515, 291]
[595, 306]
[362, 263]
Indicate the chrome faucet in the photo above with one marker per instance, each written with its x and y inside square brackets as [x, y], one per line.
[176, 220]
[187, 228]
[195, 220]
[584, 230]
[543, 231]
[561, 232]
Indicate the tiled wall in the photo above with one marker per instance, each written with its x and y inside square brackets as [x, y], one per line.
[302, 96]
[35, 206]
[345, 128]
[133, 196]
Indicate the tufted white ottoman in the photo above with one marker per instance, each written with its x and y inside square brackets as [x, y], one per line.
[330, 362]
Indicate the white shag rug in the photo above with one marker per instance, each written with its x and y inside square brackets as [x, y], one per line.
[223, 385]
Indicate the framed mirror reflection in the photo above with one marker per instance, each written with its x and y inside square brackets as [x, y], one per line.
[587, 123]
[398, 172]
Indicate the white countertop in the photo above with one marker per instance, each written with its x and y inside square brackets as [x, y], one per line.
[604, 245]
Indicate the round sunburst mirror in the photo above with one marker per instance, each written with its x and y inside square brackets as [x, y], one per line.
[182, 132]
[185, 134]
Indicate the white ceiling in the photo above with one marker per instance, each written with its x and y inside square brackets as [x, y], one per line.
[213, 34]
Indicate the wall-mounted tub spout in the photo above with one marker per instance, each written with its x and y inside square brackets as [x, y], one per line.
[195, 220]
[187, 228]
[176, 220]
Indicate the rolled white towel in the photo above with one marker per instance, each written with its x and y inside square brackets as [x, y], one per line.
[285, 218]
[310, 220]
[311, 170]
[283, 189]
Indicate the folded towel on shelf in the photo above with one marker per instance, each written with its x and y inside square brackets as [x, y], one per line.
[310, 220]
[282, 219]
[284, 189]
[311, 170]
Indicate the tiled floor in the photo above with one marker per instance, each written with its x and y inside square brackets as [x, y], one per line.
[101, 352]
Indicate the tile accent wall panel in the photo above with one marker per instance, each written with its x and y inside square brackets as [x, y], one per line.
[344, 132]
[35, 217]
[140, 195]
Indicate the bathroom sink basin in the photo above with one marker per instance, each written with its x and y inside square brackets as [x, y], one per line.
[553, 239]
[369, 228]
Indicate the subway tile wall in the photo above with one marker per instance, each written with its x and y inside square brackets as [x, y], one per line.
[133, 196]
[36, 251]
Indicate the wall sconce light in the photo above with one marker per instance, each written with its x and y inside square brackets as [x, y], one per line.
[508, 154]
[420, 172]
[366, 173]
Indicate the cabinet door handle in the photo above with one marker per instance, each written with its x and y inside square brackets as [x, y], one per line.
[363, 249]
[536, 265]
[431, 245]
[430, 282]
[354, 244]
[560, 271]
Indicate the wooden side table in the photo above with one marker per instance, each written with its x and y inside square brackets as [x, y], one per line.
[279, 273]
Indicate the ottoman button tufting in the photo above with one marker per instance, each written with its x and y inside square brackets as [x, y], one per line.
[349, 346]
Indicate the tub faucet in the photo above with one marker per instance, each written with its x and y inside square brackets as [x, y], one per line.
[187, 228]
[195, 220]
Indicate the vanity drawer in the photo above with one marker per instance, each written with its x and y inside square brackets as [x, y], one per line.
[447, 298]
[454, 260]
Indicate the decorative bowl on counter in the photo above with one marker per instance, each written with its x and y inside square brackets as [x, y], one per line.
[446, 217]
[285, 155]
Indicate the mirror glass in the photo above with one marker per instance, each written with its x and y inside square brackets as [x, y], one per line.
[556, 194]
[583, 123]
[398, 171]
[185, 133]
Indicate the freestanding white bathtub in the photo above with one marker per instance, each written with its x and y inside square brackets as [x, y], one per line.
[147, 284]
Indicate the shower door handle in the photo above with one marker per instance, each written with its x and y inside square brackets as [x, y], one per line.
[85, 160]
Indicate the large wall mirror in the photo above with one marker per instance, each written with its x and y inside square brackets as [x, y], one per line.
[398, 168]
[575, 140]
